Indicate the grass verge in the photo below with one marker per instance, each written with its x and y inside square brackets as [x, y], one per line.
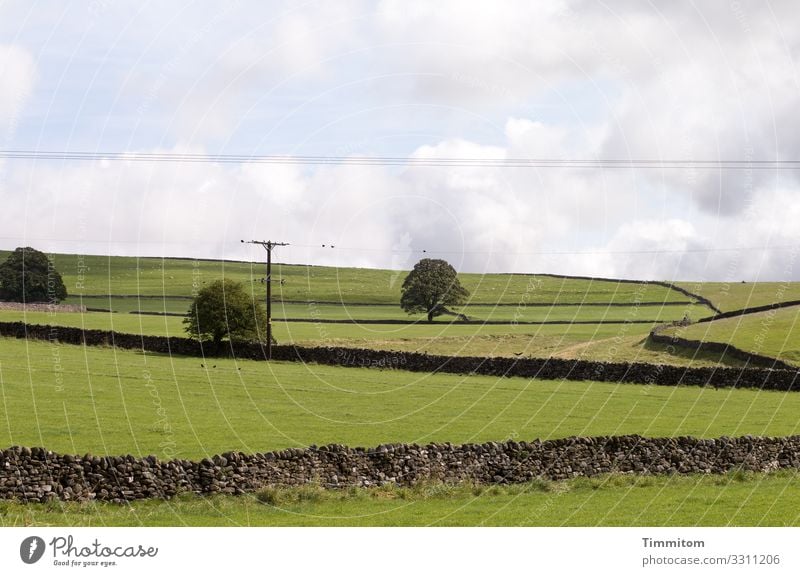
[734, 499]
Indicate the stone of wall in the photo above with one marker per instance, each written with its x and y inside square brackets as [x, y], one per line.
[540, 368]
[38, 475]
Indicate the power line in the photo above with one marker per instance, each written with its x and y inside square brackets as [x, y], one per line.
[565, 252]
[632, 163]
[777, 247]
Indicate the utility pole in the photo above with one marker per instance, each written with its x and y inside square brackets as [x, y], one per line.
[268, 246]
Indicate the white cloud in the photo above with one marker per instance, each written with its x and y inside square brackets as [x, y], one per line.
[478, 219]
[559, 79]
[18, 72]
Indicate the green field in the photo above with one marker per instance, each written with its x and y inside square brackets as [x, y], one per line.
[155, 304]
[597, 342]
[739, 295]
[110, 401]
[106, 401]
[774, 333]
[313, 333]
[163, 285]
[119, 322]
[119, 275]
[735, 499]
[494, 313]
[357, 312]
[604, 342]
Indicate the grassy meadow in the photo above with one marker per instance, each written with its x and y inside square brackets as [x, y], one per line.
[105, 401]
[735, 499]
[312, 311]
[774, 333]
[597, 316]
[118, 275]
[365, 297]
[622, 342]
[728, 296]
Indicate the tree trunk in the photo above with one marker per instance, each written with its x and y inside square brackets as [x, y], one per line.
[430, 315]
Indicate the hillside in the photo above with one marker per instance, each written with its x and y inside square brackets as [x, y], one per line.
[774, 333]
[109, 401]
[738, 295]
[512, 314]
[129, 276]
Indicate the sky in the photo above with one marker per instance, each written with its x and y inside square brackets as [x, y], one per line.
[623, 80]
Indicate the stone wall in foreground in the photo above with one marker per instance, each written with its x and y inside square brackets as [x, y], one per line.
[38, 475]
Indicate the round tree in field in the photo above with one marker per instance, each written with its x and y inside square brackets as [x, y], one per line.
[30, 276]
[430, 287]
[224, 309]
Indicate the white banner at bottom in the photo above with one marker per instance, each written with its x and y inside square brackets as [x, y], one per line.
[400, 551]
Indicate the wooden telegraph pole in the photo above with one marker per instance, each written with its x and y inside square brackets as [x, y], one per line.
[268, 246]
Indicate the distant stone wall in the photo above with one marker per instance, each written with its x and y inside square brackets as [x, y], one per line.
[41, 307]
[460, 322]
[700, 299]
[751, 310]
[540, 368]
[38, 475]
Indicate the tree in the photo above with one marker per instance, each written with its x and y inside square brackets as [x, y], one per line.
[430, 287]
[30, 276]
[225, 309]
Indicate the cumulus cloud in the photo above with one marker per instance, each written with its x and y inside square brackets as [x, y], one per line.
[557, 79]
[481, 220]
[18, 72]
[708, 82]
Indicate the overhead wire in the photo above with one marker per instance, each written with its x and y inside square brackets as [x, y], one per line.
[777, 247]
[612, 163]
[174, 157]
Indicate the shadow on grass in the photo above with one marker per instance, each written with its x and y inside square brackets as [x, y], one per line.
[690, 355]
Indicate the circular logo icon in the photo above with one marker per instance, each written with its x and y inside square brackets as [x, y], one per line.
[31, 550]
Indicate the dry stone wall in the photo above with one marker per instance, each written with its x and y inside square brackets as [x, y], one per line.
[751, 310]
[540, 368]
[39, 475]
[697, 297]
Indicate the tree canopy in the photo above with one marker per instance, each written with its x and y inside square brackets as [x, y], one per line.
[224, 309]
[430, 287]
[30, 276]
